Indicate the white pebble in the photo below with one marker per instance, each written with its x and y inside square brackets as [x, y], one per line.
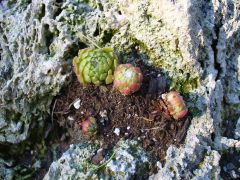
[77, 103]
[70, 118]
[128, 127]
[99, 150]
[117, 131]
[159, 165]
[103, 113]
[233, 174]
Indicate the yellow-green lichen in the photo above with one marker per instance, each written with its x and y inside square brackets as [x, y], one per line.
[185, 85]
[182, 78]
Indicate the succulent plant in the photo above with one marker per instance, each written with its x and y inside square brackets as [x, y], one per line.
[95, 65]
[175, 104]
[89, 126]
[127, 79]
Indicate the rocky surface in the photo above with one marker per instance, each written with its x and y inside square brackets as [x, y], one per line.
[196, 44]
[126, 160]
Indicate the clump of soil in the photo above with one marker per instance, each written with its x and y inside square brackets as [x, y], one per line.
[141, 116]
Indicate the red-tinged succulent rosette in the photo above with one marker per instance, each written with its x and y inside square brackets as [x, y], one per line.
[175, 104]
[89, 126]
[127, 79]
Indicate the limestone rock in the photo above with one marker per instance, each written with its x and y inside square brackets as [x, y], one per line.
[126, 160]
[37, 46]
[194, 43]
[237, 130]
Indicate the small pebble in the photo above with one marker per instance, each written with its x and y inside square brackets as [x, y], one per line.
[70, 118]
[97, 158]
[63, 138]
[103, 113]
[159, 165]
[77, 103]
[99, 150]
[117, 131]
[225, 168]
[102, 121]
[230, 166]
[125, 134]
[128, 127]
[233, 174]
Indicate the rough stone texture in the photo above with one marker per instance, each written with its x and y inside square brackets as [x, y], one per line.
[124, 162]
[74, 163]
[214, 27]
[195, 43]
[5, 171]
[38, 43]
[237, 130]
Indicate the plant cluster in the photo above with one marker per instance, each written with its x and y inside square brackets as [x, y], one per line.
[98, 66]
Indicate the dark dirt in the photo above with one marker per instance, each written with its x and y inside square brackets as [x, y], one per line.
[46, 145]
[141, 116]
[230, 162]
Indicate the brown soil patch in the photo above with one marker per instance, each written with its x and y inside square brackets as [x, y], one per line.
[140, 116]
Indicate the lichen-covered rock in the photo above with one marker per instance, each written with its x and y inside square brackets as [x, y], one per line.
[74, 163]
[129, 160]
[195, 43]
[213, 30]
[38, 43]
[126, 160]
[237, 130]
[5, 171]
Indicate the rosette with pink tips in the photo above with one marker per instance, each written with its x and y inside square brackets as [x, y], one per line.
[127, 79]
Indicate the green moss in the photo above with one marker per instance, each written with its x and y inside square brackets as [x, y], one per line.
[182, 79]
[201, 164]
[134, 148]
[11, 2]
[14, 116]
[171, 169]
[184, 85]
[107, 36]
[142, 169]
[41, 149]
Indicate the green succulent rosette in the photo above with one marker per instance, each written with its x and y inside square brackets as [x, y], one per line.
[95, 65]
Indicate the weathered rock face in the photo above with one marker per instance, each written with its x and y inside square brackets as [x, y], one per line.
[196, 44]
[126, 160]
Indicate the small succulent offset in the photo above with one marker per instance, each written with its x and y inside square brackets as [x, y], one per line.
[95, 65]
[127, 79]
[175, 104]
[89, 126]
